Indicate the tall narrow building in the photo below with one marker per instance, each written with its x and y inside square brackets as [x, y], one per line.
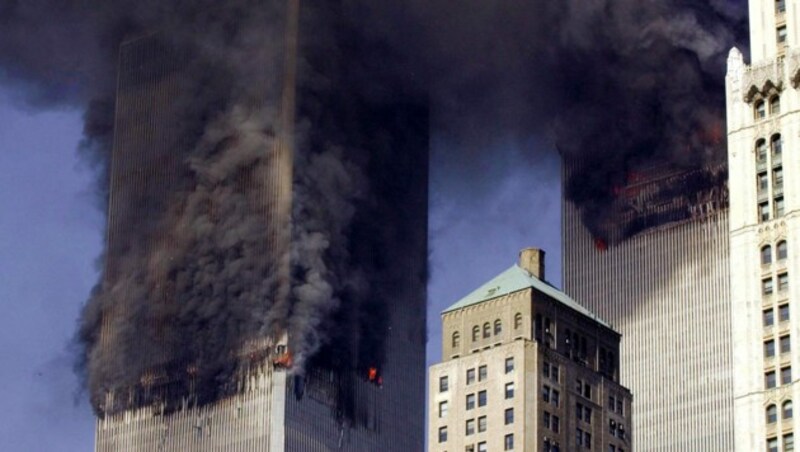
[252, 212]
[526, 368]
[660, 276]
[763, 109]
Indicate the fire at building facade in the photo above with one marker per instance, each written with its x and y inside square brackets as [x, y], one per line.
[264, 281]
[652, 259]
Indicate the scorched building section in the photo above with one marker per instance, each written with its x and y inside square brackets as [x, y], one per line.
[264, 283]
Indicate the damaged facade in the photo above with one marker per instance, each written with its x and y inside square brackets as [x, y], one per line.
[654, 264]
[264, 282]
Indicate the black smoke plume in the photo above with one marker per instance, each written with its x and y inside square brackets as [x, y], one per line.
[614, 84]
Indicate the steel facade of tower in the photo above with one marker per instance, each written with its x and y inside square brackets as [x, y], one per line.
[329, 407]
[762, 114]
[663, 284]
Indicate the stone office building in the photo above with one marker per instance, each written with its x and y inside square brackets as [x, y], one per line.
[526, 368]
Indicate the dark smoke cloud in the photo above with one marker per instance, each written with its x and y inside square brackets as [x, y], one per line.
[613, 84]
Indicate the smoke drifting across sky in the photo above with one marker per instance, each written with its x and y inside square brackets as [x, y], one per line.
[612, 83]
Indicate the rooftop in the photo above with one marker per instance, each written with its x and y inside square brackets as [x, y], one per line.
[515, 279]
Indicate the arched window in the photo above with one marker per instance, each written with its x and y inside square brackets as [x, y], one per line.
[776, 143]
[517, 321]
[772, 414]
[787, 412]
[761, 151]
[487, 330]
[760, 110]
[498, 327]
[774, 105]
[766, 255]
[456, 339]
[476, 332]
[782, 250]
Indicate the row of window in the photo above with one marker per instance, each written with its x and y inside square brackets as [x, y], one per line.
[550, 395]
[775, 146]
[616, 405]
[785, 344]
[583, 438]
[787, 412]
[769, 315]
[508, 444]
[616, 429]
[551, 421]
[583, 388]
[788, 443]
[550, 371]
[488, 328]
[760, 107]
[583, 413]
[781, 249]
[770, 377]
[767, 286]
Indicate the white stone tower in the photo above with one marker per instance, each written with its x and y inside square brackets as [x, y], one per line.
[763, 108]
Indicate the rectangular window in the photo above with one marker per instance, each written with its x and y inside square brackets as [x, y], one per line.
[587, 415]
[546, 369]
[470, 448]
[482, 398]
[766, 286]
[587, 391]
[763, 211]
[769, 379]
[443, 409]
[769, 348]
[443, 384]
[779, 207]
[482, 447]
[772, 445]
[788, 442]
[482, 373]
[509, 416]
[786, 375]
[620, 407]
[769, 316]
[579, 411]
[482, 424]
[783, 282]
[443, 434]
[546, 393]
[470, 376]
[783, 312]
[611, 402]
[763, 182]
[470, 427]
[780, 6]
[554, 372]
[579, 437]
[509, 390]
[546, 420]
[556, 425]
[777, 178]
[611, 448]
[509, 442]
[781, 34]
[587, 440]
[555, 397]
[786, 344]
[612, 427]
[509, 365]
[470, 401]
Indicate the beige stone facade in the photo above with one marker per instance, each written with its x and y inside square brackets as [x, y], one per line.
[525, 368]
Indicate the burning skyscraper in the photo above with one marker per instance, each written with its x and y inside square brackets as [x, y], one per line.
[654, 263]
[264, 281]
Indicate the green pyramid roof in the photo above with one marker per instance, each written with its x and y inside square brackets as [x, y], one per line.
[515, 279]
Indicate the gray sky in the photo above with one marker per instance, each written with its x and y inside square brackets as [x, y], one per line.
[51, 236]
